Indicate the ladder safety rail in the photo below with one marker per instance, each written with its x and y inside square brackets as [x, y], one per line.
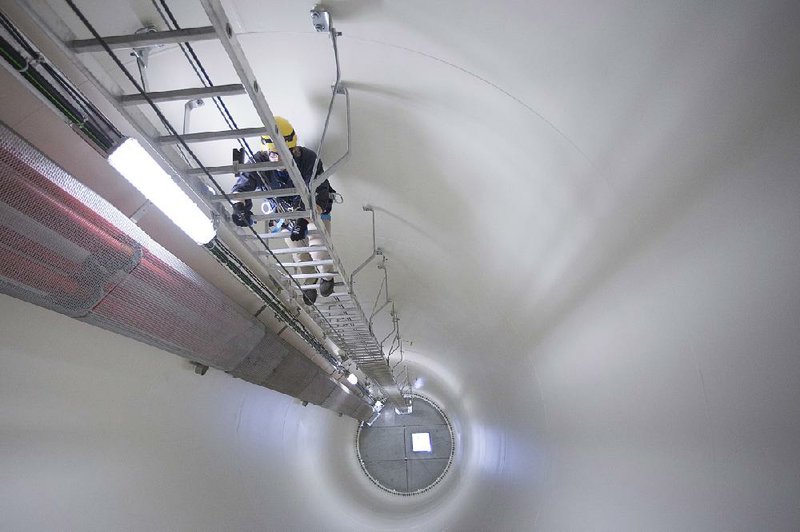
[293, 215]
[318, 180]
[375, 249]
[339, 316]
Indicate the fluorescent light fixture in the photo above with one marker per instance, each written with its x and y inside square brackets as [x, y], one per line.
[421, 442]
[352, 379]
[149, 178]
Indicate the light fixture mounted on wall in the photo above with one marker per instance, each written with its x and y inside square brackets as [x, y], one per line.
[137, 166]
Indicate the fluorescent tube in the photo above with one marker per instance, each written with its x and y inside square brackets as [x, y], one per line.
[149, 178]
[421, 442]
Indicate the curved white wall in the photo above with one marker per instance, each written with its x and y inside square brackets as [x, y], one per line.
[670, 403]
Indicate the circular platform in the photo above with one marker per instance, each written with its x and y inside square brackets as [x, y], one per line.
[407, 454]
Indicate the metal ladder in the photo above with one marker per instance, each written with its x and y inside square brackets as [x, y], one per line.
[340, 317]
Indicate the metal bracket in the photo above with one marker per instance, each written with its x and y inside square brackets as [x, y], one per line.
[142, 55]
[188, 107]
[321, 19]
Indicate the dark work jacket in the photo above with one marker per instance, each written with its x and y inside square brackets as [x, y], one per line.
[274, 179]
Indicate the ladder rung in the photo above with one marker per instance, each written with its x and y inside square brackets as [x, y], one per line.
[299, 276]
[316, 286]
[183, 94]
[145, 39]
[208, 136]
[323, 262]
[241, 196]
[282, 215]
[277, 234]
[230, 169]
[339, 294]
[307, 249]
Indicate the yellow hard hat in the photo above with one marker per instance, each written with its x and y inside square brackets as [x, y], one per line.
[286, 130]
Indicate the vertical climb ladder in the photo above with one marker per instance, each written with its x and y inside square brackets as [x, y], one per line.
[340, 317]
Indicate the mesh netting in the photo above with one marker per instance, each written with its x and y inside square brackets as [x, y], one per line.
[65, 248]
[54, 251]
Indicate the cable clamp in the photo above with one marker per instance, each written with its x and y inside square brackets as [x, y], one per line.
[35, 60]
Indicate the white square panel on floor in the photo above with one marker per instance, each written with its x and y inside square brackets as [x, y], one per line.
[420, 442]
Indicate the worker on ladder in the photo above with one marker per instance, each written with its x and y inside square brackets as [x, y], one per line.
[298, 228]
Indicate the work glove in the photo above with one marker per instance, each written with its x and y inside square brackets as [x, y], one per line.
[299, 230]
[241, 215]
[323, 198]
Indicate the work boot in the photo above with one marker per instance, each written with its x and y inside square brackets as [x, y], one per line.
[326, 287]
[299, 229]
[309, 296]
